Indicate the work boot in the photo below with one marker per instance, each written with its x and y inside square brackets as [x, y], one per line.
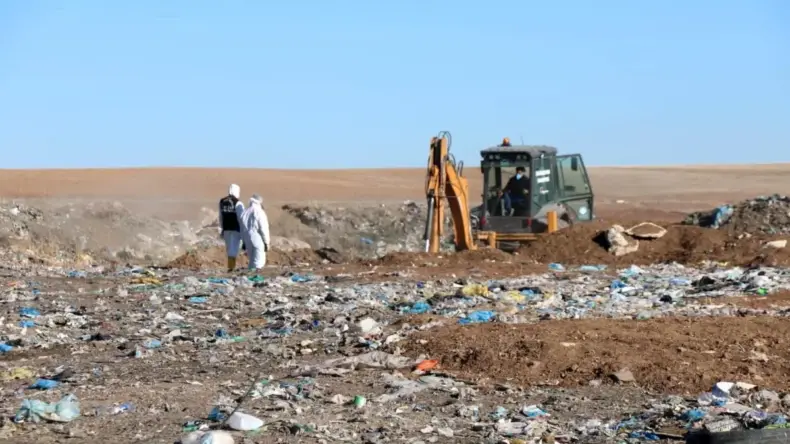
[231, 264]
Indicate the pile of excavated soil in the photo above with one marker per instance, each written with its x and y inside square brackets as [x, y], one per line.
[585, 244]
[668, 355]
[361, 230]
[204, 258]
[107, 231]
[215, 258]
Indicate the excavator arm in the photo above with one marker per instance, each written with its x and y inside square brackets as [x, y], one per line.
[446, 187]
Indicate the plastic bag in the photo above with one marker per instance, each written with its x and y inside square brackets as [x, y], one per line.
[65, 410]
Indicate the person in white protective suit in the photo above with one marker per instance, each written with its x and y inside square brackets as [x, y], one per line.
[230, 207]
[255, 232]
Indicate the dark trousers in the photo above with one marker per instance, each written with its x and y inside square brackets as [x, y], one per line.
[519, 205]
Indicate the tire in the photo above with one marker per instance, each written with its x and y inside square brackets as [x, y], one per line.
[561, 224]
[508, 246]
[761, 436]
[566, 217]
[569, 217]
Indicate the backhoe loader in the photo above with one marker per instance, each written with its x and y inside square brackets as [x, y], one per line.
[557, 194]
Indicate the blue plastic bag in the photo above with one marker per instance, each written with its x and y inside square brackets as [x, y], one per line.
[476, 317]
[44, 384]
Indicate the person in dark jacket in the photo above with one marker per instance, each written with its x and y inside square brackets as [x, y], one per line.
[516, 193]
[230, 207]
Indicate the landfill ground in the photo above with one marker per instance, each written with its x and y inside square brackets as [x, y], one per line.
[559, 342]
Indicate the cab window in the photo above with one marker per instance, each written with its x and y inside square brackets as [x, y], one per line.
[572, 174]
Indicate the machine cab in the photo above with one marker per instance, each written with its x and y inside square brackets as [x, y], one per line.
[547, 182]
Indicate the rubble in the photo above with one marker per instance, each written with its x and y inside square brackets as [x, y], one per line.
[367, 231]
[765, 214]
[646, 230]
[618, 244]
[101, 231]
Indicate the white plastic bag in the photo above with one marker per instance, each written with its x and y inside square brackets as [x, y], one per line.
[211, 437]
[244, 422]
[65, 410]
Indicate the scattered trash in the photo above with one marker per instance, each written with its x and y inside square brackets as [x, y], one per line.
[776, 244]
[427, 365]
[478, 316]
[29, 312]
[646, 230]
[208, 437]
[65, 410]
[244, 422]
[44, 384]
[341, 346]
[766, 214]
[152, 344]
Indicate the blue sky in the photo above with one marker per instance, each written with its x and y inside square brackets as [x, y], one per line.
[332, 84]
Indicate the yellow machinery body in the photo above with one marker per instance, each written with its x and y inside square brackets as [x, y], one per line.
[446, 187]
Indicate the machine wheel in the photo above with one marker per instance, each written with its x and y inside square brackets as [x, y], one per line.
[566, 217]
[569, 216]
[508, 246]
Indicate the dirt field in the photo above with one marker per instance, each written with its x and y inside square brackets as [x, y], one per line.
[151, 350]
[672, 356]
[656, 191]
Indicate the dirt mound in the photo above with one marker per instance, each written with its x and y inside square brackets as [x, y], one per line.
[666, 355]
[362, 230]
[204, 258]
[767, 215]
[106, 231]
[585, 244]
[462, 257]
[214, 258]
[294, 258]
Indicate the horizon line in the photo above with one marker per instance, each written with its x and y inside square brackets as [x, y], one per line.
[164, 167]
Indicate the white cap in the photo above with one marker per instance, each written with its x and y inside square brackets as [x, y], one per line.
[234, 190]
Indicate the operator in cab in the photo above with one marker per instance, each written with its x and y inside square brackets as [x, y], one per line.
[505, 142]
[516, 193]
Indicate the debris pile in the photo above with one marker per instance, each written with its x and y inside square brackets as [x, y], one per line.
[761, 215]
[99, 231]
[617, 242]
[367, 231]
[590, 243]
[108, 231]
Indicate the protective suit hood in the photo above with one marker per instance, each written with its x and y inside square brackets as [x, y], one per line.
[256, 199]
[234, 190]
